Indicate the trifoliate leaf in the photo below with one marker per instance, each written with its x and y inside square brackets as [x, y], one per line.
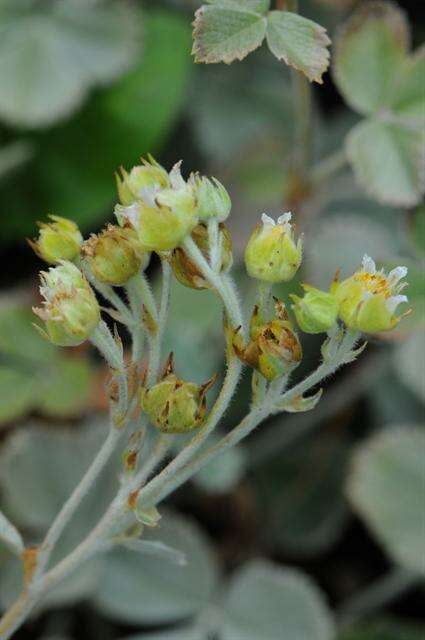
[409, 102]
[224, 33]
[300, 42]
[369, 55]
[387, 159]
[10, 536]
[385, 487]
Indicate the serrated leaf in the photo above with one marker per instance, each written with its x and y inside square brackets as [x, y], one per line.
[262, 597]
[50, 58]
[385, 488]
[369, 55]
[10, 536]
[387, 159]
[226, 33]
[140, 589]
[409, 103]
[300, 42]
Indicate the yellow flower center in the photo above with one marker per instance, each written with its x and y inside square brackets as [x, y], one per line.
[376, 283]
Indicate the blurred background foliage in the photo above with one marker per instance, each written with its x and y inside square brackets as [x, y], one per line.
[322, 510]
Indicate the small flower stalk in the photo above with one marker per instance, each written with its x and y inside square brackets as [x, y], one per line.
[70, 309]
[274, 349]
[317, 311]
[57, 240]
[272, 254]
[368, 299]
[174, 405]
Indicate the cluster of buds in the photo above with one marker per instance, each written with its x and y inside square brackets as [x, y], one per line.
[57, 240]
[163, 208]
[174, 405]
[274, 349]
[115, 255]
[70, 309]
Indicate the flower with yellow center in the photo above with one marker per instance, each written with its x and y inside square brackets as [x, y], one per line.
[272, 255]
[369, 298]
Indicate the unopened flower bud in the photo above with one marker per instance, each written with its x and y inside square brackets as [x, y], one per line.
[187, 272]
[162, 218]
[115, 255]
[175, 406]
[148, 175]
[369, 298]
[272, 254]
[317, 311]
[57, 240]
[212, 198]
[70, 309]
[274, 349]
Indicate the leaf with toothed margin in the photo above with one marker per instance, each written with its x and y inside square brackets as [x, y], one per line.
[300, 403]
[10, 536]
[225, 32]
[301, 43]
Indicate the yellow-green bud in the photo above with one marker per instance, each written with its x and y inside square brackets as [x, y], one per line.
[57, 240]
[70, 309]
[187, 272]
[274, 349]
[114, 255]
[175, 406]
[271, 253]
[162, 218]
[212, 198]
[317, 311]
[148, 175]
[369, 298]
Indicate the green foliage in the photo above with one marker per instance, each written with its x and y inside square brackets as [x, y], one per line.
[378, 78]
[52, 56]
[262, 597]
[409, 362]
[384, 630]
[385, 487]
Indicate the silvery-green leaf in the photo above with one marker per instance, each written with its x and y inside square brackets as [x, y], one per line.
[140, 589]
[18, 394]
[224, 472]
[10, 536]
[260, 6]
[226, 33]
[156, 548]
[385, 488]
[265, 601]
[300, 42]
[50, 58]
[409, 102]
[369, 55]
[409, 363]
[387, 159]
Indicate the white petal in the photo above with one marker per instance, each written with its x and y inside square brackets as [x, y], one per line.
[131, 213]
[368, 264]
[284, 218]
[394, 301]
[148, 194]
[267, 221]
[176, 177]
[396, 274]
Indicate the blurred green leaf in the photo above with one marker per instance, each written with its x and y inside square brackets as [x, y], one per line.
[67, 389]
[262, 597]
[369, 55]
[385, 488]
[141, 589]
[50, 56]
[418, 229]
[227, 31]
[409, 363]
[409, 100]
[300, 42]
[224, 472]
[385, 630]
[18, 394]
[20, 340]
[182, 633]
[387, 160]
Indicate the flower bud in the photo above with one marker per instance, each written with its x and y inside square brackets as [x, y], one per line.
[271, 253]
[70, 309]
[148, 175]
[274, 349]
[162, 218]
[187, 272]
[114, 255]
[175, 406]
[369, 298]
[317, 311]
[57, 240]
[213, 199]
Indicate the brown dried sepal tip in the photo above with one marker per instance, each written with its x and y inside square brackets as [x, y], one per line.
[132, 499]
